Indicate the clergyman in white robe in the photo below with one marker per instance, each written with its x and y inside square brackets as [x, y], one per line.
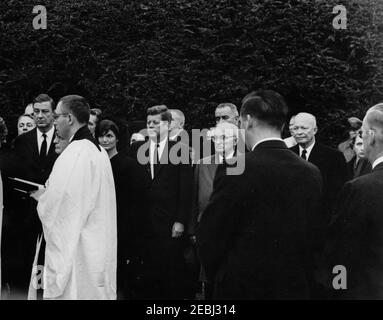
[78, 214]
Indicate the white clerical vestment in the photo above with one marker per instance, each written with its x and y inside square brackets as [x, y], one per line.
[78, 214]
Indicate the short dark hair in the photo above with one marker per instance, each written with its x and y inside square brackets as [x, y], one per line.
[162, 110]
[43, 97]
[78, 106]
[267, 106]
[106, 125]
[96, 112]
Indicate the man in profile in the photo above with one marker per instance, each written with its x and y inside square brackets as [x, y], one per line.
[356, 242]
[78, 212]
[256, 234]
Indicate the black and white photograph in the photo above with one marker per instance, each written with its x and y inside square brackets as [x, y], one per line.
[191, 154]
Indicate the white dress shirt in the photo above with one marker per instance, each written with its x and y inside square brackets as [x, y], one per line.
[49, 138]
[227, 156]
[152, 148]
[308, 150]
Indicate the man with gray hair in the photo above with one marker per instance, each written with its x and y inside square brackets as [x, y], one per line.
[357, 233]
[226, 112]
[330, 162]
[177, 124]
[257, 231]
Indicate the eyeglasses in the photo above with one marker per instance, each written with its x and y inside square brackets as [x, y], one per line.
[57, 115]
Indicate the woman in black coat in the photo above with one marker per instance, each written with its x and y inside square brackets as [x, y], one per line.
[129, 180]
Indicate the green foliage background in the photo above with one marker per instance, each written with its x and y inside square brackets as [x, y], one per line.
[126, 55]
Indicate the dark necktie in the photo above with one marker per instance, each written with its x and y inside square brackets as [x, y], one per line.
[357, 167]
[43, 149]
[304, 154]
[156, 159]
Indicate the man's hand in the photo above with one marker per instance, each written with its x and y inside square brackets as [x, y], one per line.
[37, 194]
[177, 230]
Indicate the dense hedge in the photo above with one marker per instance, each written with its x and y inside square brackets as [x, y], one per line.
[126, 55]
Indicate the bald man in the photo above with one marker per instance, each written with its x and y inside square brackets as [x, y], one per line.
[357, 233]
[330, 162]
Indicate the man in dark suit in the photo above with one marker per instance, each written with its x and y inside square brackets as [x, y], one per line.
[330, 162]
[35, 149]
[34, 156]
[357, 232]
[358, 165]
[169, 202]
[225, 137]
[256, 234]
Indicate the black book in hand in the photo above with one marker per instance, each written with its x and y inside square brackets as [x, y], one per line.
[25, 186]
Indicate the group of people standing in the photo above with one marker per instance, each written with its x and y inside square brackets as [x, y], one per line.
[162, 218]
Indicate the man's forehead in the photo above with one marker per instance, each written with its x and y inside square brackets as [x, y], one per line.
[223, 111]
[25, 119]
[154, 117]
[42, 105]
[304, 121]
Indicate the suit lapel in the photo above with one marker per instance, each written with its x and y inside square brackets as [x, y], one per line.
[51, 151]
[378, 167]
[315, 154]
[164, 159]
[146, 146]
[34, 145]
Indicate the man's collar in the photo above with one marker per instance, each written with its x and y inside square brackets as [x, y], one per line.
[377, 161]
[308, 149]
[161, 142]
[84, 133]
[48, 133]
[266, 139]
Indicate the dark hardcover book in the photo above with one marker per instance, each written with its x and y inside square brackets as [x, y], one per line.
[25, 186]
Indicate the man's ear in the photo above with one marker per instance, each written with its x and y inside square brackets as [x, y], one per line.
[251, 122]
[315, 130]
[70, 117]
[372, 137]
